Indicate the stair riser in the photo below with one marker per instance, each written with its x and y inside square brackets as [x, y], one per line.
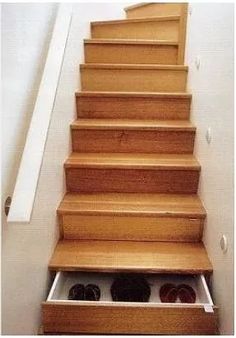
[152, 30]
[125, 141]
[152, 10]
[133, 80]
[130, 54]
[133, 108]
[113, 227]
[131, 180]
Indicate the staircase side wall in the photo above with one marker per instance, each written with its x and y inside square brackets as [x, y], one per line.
[210, 36]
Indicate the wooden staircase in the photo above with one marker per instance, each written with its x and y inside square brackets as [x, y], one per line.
[131, 203]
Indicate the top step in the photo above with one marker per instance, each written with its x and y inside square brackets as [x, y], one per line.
[153, 9]
[150, 9]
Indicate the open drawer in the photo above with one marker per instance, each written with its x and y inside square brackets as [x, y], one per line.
[106, 316]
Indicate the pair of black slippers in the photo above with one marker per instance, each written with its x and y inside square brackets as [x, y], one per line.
[80, 292]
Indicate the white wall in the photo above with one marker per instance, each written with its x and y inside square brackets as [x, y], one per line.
[27, 248]
[26, 33]
[210, 36]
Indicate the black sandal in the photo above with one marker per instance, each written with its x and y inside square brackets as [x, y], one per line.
[77, 292]
[186, 294]
[168, 293]
[92, 292]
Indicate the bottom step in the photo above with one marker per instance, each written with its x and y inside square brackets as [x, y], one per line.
[61, 315]
[128, 256]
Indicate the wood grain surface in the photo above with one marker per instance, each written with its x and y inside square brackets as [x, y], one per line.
[116, 51]
[63, 318]
[125, 105]
[162, 28]
[138, 78]
[131, 136]
[129, 256]
[158, 205]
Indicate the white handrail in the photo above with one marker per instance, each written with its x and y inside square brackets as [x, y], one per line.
[29, 170]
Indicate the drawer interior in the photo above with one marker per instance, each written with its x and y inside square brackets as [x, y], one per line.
[65, 280]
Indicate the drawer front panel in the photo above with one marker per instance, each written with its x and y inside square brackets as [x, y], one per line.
[64, 318]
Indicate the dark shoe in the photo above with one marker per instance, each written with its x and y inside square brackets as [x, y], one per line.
[77, 292]
[186, 294]
[168, 293]
[130, 288]
[92, 292]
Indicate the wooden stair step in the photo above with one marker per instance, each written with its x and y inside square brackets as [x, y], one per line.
[158, 205]
[149, 217]
[135, 20]
[130, 161]
[153, 9]
[158, 173]
[134, 66]
[132, 136]
[127, 256]
[161, 28]
[143, 95]
[133, 105]
[111, 124]
[135, 77]
[131, 42]
[130, 51]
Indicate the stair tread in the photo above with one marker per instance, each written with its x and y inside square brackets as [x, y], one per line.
[133, 161]
[143, 19]
[133, 94]
[133, 204]
[130, 42]
[129, 256]
[141, 4]
[133, 66]
[178, 125]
